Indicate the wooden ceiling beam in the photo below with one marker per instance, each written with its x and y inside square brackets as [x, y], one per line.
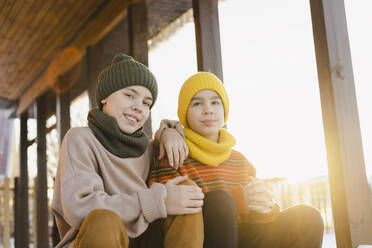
[93, 32]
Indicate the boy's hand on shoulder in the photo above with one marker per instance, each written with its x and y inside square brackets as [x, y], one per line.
[258, 196]
[183, 199]
[173, 145]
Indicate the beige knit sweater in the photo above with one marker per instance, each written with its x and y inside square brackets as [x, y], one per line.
[90, 177]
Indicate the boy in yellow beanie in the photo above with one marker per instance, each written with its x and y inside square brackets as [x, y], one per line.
[203, 109]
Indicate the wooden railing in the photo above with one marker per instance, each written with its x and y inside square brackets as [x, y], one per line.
[315, 194]
[287, 194]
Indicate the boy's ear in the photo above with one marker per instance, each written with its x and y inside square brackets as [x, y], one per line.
[104, 101]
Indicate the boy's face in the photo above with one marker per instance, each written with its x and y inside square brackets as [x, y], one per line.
[130, 107]
[205, 114]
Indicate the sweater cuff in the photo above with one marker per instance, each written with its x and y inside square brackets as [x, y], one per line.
[152, 201]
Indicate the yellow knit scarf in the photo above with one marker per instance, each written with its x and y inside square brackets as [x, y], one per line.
[207, 151]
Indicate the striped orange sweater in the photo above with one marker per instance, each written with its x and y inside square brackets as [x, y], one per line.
[232, 175]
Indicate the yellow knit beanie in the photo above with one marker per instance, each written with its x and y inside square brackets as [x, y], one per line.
[194, 84]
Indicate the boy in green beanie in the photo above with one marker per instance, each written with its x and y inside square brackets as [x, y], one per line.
[100, 196]
[203, 109]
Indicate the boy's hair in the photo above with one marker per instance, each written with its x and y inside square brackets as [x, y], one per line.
[194, 84]
[124, 71]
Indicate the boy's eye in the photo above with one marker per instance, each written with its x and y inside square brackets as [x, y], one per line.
[196, 104]
[216, 102]
[147, 104]
[129, 95]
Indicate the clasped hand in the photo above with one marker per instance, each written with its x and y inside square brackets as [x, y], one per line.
[258, 197]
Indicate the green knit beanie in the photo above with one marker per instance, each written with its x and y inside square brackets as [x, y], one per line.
[124, 71]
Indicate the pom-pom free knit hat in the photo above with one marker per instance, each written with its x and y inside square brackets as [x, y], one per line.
[194, 84]
[124, 71]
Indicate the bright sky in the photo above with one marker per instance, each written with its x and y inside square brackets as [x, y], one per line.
[270, 74]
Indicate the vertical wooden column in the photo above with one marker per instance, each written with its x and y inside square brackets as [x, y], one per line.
[6, 204]
[207, 31]
[100, 55]
[138, 37]
[351, 204]
[63, 114]
[95, 66]
[63, 125]
[21, 214]
[16, 214]
[42, 214]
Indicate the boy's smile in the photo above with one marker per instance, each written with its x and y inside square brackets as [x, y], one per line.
[205, 114]
[130, 107]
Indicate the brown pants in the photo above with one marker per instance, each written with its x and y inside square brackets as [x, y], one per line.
[104, 228]
[300, 226]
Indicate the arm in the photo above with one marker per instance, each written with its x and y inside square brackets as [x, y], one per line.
[254, 200]
[171, 141]
[260, 200]
[81, 189]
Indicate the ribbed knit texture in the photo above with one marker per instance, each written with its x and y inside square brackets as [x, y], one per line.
[107, 131]
[124, 71]
[207, 151]
[231, 175]
[194, 84]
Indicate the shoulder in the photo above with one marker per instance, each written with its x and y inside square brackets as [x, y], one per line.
[237, 155]
[79, 131]
[78, 134]
[79, 137]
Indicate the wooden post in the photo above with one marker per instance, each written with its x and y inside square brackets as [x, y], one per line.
[34, 212]
[42, 197]
[21, 230]
[63, 125]
[351, 204]
[100, 55]
[6, 213]
[94, 67]
[138, 37]
[15, 214]
[207, 31]
[63, 114]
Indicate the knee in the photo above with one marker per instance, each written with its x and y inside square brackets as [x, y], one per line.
[189, 182]
[309, 217]
[220, 201]
[103, 218]
[220, 197]
[101, 228]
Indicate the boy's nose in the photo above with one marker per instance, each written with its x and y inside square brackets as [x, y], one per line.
[137, 107]
[208, 109]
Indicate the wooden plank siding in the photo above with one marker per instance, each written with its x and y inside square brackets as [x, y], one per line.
[93, 31]
[51, 36]
[55, 39]
[207, 32]
[49, 42]
[33, 24]
[350, 197]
